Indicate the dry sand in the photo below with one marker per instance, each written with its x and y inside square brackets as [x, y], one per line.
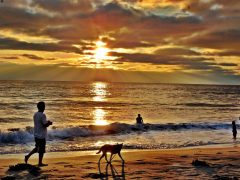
[224, 163]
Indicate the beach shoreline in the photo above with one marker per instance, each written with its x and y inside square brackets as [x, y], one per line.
[223, 162]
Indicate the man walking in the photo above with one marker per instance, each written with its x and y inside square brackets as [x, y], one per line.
[40, 133]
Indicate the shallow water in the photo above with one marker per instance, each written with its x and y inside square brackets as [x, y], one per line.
[176, 115]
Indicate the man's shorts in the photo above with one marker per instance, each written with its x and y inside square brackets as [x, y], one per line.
[40, 145]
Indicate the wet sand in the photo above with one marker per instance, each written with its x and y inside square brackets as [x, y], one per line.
[224, 163]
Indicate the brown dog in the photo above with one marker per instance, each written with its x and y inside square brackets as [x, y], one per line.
[113, 149]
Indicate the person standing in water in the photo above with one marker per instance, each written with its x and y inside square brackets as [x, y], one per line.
[234, 129]
[40, 133]
[139, 119]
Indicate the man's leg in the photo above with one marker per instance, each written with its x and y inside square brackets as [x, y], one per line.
[40, 159]
[29, 155]
[41, 152]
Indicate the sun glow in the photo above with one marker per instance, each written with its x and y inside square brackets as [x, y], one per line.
[101, 51]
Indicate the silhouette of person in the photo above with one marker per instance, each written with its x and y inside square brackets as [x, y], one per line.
[139, 119]
[40, 133]
[234, 129]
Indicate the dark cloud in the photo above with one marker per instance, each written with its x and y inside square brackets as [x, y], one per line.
[224, 53]
[20, 19]
[126, 44]
[106, 18]
[90, 26]
[32, 56]
[157, 29]
[223, 39]
[156, 59]
[209, 8]
[228, 64]
[10, 57]
[176, 51]
[92, 63]
[13, 44]
[64, 6]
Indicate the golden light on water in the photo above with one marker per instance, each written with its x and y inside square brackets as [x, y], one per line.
[100, 143]
[100, 92]
[99, 115]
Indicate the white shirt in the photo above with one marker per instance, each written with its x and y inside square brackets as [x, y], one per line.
[40, 131]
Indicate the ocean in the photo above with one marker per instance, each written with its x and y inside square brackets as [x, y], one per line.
[87, 115]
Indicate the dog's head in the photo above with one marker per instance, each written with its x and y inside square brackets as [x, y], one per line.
[120, 145]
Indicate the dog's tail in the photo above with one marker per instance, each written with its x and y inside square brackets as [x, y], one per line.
[99, 151]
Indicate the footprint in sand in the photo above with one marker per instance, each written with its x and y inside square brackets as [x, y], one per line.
[89, 167]
[141, 172]
[184, 156]
[69, 166]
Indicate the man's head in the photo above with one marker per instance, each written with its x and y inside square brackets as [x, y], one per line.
[139, 115]
[41, 106]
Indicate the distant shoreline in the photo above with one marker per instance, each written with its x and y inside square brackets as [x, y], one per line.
[120, 82]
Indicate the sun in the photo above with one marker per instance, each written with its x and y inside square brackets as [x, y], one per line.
[101, 51]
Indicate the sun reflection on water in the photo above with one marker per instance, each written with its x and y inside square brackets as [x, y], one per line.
[99, 115]
[99, 90]
[100, 93]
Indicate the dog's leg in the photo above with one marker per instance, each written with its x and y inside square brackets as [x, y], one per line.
[121, 157]
[112, 156]
[100, 158]
[106, 158]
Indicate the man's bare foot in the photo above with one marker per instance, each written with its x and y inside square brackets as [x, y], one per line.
[41, 165]
[26, 159]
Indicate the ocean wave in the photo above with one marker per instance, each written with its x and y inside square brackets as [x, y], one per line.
[127, 146]
[208, 105]
[137, 146]
[24, 136]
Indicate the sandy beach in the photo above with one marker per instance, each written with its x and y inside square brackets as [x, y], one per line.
[223, 163]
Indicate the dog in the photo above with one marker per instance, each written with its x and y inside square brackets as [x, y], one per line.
[113, 149]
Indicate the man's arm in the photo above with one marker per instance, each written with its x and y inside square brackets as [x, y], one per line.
[47, 124]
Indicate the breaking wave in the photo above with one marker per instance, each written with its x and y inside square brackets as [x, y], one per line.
[17, 136]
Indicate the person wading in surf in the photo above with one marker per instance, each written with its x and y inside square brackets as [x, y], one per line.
[139, 119]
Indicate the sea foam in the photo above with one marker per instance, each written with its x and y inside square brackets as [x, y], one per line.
[25, 136]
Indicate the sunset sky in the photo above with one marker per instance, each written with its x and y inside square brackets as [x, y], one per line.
[163, 41]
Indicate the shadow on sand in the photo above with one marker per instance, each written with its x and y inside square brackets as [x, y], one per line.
[23, 171]
[110, 170]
